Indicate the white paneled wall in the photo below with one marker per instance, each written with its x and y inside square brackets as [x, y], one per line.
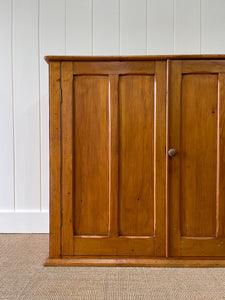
[31, 29]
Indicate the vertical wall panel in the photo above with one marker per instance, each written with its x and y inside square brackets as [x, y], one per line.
[79, 27]
[213, 26]
[52, 42]
[6, 110]
[26, 102]
[160, 26]
[133, 27]
[187, 26]
[106, 27]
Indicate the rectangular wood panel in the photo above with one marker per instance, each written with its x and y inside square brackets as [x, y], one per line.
[198, 154]
[210, 246]
[220, 232]
[136, 160]
[114, 246]
[55, 160]
[203, 66]
[91, 155]
[114, 67]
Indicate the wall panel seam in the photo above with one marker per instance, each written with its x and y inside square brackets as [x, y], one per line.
[13, 108]
[39, 105]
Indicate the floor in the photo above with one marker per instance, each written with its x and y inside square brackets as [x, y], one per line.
[22, 276]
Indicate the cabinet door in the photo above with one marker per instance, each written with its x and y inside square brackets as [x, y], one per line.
[197, 172]
[113, 158]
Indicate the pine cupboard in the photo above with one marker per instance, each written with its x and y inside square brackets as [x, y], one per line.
[137, 161]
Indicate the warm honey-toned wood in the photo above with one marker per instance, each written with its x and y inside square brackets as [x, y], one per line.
[93, 150]
[206, 66]
[91, 155]
[160, 159]
[67, 157]
[198, 154]
[136, 67]
[136, 155]
[113, 155]
[173, 162]
[138, 262]
[196, 132]
[209, 246]
[55, 161]
[134, 58]
[220, 230]
[117, 197]
[114, 245]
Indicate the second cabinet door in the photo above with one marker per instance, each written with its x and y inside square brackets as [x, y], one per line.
[113, 158]
[197, 172]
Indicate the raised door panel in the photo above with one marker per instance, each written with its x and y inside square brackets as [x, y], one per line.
[113, 158]
[196, 131]
[136, 155]
[91, 155]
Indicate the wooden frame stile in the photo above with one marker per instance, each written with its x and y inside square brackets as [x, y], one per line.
[220, 230]
[113, 155]
[175, 69]
[67, 157]
[55, 160]
[160, 157]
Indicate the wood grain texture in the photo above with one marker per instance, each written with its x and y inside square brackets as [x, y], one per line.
[138, 262]
[206, 66]
[202, 246]
[136, 157]
[198, 154]
[55, 160]
[174, 162]
[136, 67]
[113, 154]
[200, 57]
[91, 155]
[160, 158]
[131, 210]
[196, 131]
[67, 157]
[114, 246]
[220, 232]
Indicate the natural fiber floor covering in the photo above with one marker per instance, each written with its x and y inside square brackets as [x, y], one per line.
[22, 276]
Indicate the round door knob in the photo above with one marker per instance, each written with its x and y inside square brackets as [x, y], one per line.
[172, 152]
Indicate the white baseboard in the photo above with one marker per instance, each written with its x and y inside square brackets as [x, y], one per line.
[24, 222]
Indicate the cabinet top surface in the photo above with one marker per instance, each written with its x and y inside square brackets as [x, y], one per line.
[135, 58]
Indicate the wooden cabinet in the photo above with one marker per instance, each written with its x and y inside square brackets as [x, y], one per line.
[119, 193]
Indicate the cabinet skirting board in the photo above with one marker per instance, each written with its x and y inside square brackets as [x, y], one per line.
[175, 262]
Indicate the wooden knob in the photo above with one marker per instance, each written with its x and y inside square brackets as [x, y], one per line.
[172, 152]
